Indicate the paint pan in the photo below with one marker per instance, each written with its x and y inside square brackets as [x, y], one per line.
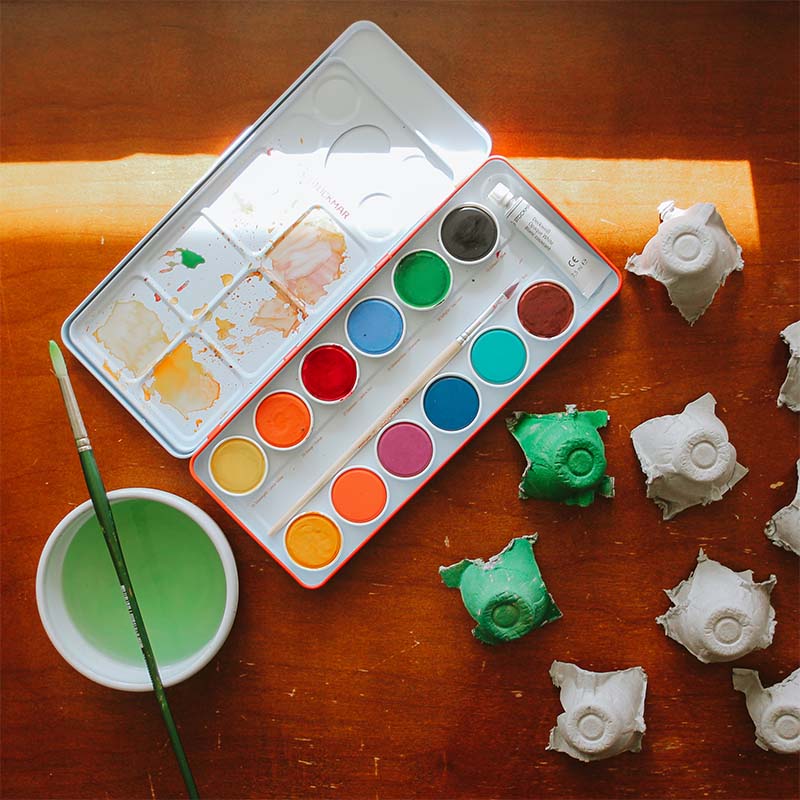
[469, 233]
[329, 373]
[359, 495]
[313, 541]
[283, 420]
[405, 450]
[498, 356]
[375, 327]
[451, 403]
[238, 465]
[546, 309]
[422, 279]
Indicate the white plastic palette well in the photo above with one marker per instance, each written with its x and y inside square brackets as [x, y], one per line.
[288, 223]
[336, 427]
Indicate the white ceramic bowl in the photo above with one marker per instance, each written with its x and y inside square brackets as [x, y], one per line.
[70, 642]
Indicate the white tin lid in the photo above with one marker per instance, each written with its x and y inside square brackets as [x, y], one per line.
[287, 224]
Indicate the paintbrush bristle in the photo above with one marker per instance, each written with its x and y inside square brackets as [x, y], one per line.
[511, 289]
[56, 357]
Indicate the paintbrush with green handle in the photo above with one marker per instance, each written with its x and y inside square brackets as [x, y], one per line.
[102, 509]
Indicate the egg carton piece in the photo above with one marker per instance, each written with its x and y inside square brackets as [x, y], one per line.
[566, 458]
[790, 390]
[775, 710]
[603, 711]
[687, 458]
[505, 595]
[718, 614]
[783, 529]
[692, 254]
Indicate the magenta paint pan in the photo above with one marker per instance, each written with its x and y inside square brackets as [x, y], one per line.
[405, 449]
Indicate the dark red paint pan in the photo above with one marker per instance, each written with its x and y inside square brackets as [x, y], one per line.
[546, 309]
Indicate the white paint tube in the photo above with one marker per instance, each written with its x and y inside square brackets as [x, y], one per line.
[584, 268]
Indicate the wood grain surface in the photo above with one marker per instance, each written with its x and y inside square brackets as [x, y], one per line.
[373, 687]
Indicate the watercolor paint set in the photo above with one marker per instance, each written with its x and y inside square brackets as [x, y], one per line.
[339, 305]
[354, 374]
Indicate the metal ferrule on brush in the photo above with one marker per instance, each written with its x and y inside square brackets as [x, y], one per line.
[477, 323]
[74, 415]
[504, 297]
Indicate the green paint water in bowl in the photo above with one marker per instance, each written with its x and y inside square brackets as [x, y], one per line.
[176, 573]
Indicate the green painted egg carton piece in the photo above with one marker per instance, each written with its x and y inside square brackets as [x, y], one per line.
[566, 456]
[505, 595]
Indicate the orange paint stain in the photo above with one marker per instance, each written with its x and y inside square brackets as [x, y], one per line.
[111, 372]
[224, 328]
[183, 383]
[278, 314]
[226, 278]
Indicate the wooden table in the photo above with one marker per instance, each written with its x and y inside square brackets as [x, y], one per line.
[373, 685]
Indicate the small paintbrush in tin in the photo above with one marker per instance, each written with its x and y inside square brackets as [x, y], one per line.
[102, 509]
[444, 358]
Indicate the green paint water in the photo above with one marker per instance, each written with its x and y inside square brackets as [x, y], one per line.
[190, 259]
[498, 356]
[422, 279]
[176, 573]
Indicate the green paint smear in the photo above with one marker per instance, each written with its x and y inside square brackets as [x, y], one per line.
[190, 259]
[176, 573]
[498, 356]
[422, 279]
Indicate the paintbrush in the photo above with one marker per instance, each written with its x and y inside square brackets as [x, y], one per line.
[417, 384]
[102, 509]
